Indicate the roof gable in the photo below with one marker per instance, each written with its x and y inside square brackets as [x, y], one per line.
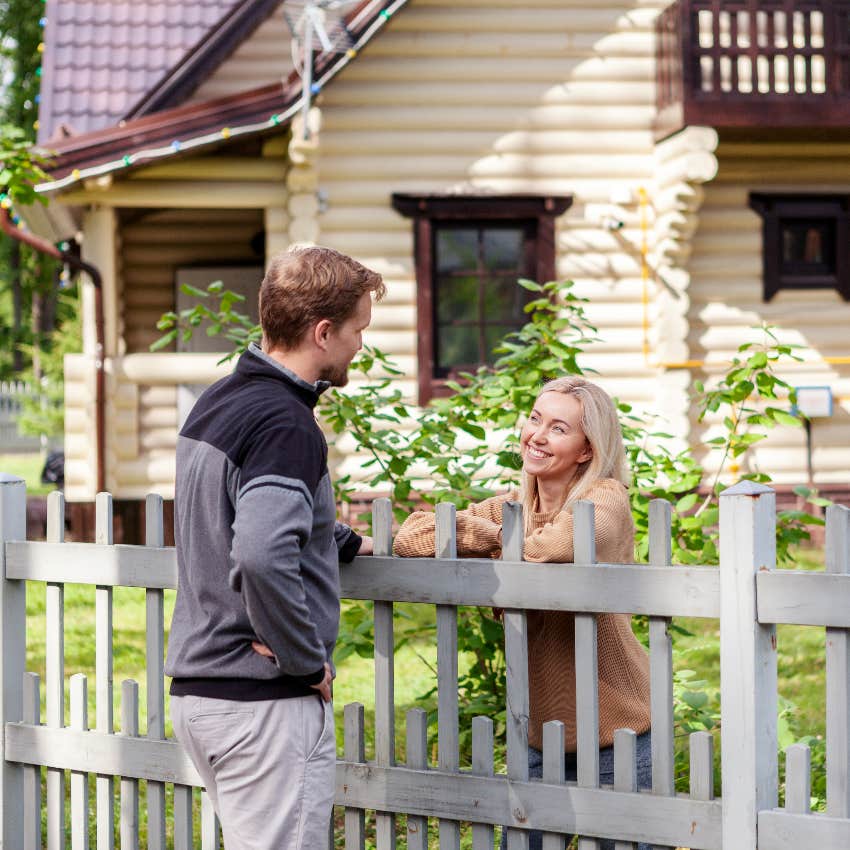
[101, 57]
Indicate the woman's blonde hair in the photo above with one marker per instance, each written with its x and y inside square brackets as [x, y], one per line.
[601, 426]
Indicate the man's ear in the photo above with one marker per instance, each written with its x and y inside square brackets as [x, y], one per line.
[321, 333]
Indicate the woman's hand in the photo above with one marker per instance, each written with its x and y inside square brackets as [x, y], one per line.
[367, 546]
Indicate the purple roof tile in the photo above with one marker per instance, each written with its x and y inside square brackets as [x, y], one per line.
[100, 58]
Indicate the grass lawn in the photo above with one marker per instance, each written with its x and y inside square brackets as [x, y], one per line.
[27, 466]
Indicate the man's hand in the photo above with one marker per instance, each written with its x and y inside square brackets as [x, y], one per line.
[262, 649]
[324, 687]
[366, 546]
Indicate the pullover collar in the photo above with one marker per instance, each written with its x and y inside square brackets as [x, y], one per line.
[255, 363]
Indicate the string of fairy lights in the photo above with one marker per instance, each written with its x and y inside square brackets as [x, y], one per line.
[228, 132]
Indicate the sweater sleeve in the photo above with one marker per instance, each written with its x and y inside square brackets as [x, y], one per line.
[478, 531]
[273, 520]
[614, 528]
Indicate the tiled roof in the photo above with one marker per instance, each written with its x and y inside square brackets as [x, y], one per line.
[102, 56]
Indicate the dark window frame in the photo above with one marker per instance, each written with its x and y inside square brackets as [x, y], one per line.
[428, 212]
[781, 210]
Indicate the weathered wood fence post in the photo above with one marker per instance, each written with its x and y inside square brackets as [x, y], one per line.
[13, 628]
[747, 663]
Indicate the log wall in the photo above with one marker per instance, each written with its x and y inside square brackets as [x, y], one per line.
[726, 299]
[485, 97]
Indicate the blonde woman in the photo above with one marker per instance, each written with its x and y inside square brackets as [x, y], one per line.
[572, 448]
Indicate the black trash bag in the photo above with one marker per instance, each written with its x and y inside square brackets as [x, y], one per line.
[54, 469]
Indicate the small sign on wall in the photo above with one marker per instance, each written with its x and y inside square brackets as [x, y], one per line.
[814, 402]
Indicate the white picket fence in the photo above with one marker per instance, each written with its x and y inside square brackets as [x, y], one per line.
[747, 594]
[11, 393]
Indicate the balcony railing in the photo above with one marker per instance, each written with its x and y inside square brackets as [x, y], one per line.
[753, 63]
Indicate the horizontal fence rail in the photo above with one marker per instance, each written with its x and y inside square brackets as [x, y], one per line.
[747, 594]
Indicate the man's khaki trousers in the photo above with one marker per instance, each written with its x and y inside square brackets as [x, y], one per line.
[268, 767]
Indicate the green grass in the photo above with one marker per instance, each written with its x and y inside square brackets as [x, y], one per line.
[27, 466]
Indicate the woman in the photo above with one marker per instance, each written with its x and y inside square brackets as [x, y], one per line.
[572, 449]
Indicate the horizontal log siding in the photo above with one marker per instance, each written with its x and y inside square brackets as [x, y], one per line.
[263, 58]
[142, 418]
[156, 245]
[726, 297]
[475, 96]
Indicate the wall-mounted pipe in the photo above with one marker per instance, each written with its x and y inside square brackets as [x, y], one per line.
[45, 247]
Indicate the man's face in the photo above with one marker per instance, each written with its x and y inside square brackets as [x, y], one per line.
[344, 341]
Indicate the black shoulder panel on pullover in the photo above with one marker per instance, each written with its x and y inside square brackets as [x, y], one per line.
[262, 418]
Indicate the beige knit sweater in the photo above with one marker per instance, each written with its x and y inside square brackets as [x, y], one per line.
[622, 662]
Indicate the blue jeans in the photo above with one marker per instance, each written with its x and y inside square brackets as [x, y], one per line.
[606, 777]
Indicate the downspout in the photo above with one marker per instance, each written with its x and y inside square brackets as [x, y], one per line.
[45, 247]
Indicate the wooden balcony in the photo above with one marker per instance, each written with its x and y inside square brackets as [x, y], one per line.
[753, 64]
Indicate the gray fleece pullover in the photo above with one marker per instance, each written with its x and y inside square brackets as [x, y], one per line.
[258, 547]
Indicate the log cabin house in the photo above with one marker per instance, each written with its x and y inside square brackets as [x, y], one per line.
[687, 165]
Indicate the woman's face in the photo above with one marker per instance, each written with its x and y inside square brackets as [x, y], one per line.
[552, 442]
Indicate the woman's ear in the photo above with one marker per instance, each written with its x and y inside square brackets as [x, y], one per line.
[587, 454]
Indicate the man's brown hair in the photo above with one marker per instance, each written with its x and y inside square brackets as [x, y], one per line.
[305, 285]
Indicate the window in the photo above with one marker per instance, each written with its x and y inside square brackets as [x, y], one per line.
[469, 253]
[805, 242]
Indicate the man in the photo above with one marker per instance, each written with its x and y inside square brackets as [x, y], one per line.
[258, 552]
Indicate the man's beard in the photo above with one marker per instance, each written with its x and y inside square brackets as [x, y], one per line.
[336, 376]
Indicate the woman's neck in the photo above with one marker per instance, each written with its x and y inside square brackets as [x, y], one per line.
[551, 496]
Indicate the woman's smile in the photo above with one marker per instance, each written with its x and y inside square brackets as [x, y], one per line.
[553, 443]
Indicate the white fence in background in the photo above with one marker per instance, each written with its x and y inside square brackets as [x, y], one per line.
[11, 393]
[747, 594]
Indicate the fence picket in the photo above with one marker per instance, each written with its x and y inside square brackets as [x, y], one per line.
[79, 779]
[661, 660]
[382, 531]
[587, 675]
[516, 673]
[747, 662]
[625, 770]
[13, 625]
[54, 678]
[701, 746]
[32, 775]
[838, 674]
[447, 695]
[354, 750]
[128, 827]
[183, 832]
[210, 827]
[798, 779]
[417, 758]
[155, 662]
[104, 785]
[482, 765]
[553, 772]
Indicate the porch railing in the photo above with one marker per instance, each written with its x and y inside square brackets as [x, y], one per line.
[747, 594]
[753, 63]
